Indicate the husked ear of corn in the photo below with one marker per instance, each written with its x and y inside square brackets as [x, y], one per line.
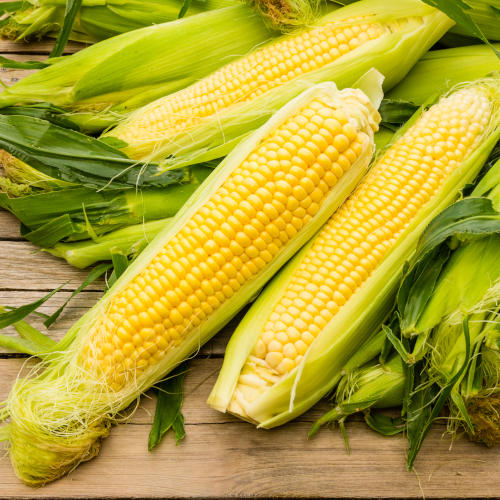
[106, 81]
[260, 205]
[287, 351]
[206, 120]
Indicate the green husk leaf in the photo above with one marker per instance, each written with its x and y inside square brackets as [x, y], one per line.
[440, 70]
[384, 424]
[120, 263]
[48, 234]
[184, 8]
[44, 111]
[18, 313]
[128, 241]
[396, 112]
[6, 7]
[425, 417]
[458, 10]
[36, 337]
[168, 414]
[73, 157]
[72, 8]
[466, 219]
[5, 62]
[96, 273]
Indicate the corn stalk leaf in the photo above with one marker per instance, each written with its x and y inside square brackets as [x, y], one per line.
[74, 157]
[168, 414]
[72, 8]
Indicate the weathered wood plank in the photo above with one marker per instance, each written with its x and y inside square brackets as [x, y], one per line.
[42, 47]
[24, 267]
[9, 226]
[224, 457]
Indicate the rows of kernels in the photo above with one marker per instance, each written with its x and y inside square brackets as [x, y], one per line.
[367, 226]
[271, 196]
[249, 77]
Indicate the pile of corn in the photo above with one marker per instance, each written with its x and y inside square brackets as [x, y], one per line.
[327, 200]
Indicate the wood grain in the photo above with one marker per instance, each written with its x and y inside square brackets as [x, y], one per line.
[9, 226]
[223, 457]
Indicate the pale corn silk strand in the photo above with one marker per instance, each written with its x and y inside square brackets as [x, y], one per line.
[249, 77]
[59, 417]
[361, 233]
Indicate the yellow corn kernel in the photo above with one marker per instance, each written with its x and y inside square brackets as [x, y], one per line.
[362, 232]
[223, 245]
[243, 80]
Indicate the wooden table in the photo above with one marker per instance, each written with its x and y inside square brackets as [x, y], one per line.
[222, 456]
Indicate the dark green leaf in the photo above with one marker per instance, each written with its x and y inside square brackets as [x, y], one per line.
[168, 407]
[120, 264]
[459, 402]
[432, 406]
[396, 112]
[383, 424]
[72, 8]
[98, 271]
[74, 157]
[458, 11]
[18, 313]
[49, 234]
[44, 111]
[466, 219]
[6, 7]
[11, 64]
[114, 142]
[396, 343]
[184, 8]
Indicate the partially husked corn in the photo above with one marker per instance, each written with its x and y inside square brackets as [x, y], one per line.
[360, 235]
[249, 77]
[231, 238]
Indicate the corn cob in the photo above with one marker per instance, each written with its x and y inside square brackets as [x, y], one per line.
[288, 349]
[204, 121]
[261, 204]
[106, 81]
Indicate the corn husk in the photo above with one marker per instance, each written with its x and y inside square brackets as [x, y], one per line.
[393, 54]
[440, 70]
[104, 82]
[97, 21]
